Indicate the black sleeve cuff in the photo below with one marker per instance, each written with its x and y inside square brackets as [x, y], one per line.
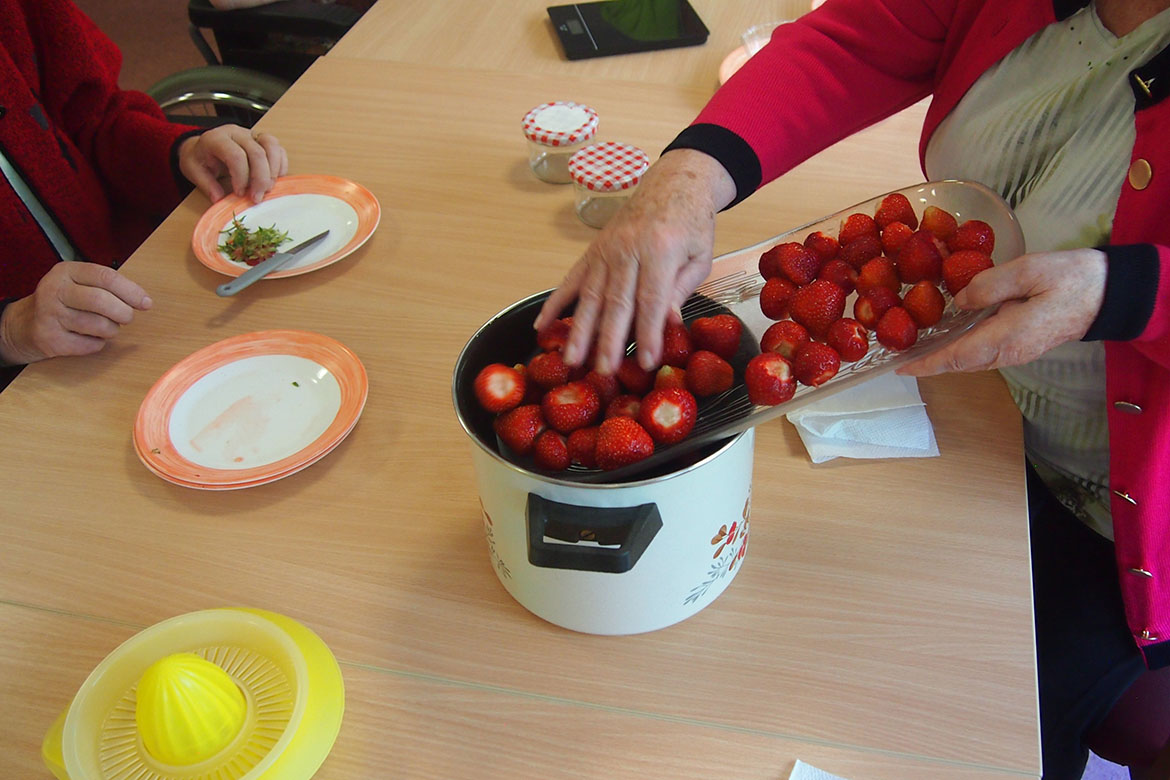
[732, 152]
[1131, 289]
[181, 181]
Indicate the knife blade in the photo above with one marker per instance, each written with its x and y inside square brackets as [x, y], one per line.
[259, 271]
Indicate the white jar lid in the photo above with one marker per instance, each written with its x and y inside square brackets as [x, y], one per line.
[608, 166]
[560, 124]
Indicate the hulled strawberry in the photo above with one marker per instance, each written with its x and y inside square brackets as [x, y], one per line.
[896, 329]
[668, 415]
[769, 379]
[894, 237]
[815, 364]
[939, 222]
[571, 406]
[555, 335]
[797, 264]
[869, 307]
[824, 246]
[784, 338]
[621, 441]
[519, 427]
[961, 267]
[973, 234]
[855, 226]
[633, 377]
[861, 250]
[925, 304]
[551, 451]
[849, 337]
[895, 208]
[708, 374]
[719, 334]
[817, 306]
[548, 370]
[499, 388]
[676, 345]
[775, 297]
[839, 273]
[624, 406]
[582, 445]
[669, 376]
[921, 258]
[879, 272]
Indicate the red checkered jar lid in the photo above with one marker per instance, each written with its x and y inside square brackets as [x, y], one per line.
[608, 166]
[560, 124]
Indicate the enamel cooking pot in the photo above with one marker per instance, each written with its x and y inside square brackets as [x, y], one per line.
[603, 558]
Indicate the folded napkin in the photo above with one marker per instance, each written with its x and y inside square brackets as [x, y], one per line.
[803, 771]
[882, 418]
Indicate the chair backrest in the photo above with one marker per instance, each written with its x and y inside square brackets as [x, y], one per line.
[1136, 733]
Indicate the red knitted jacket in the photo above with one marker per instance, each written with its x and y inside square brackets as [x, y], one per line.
[98, 158]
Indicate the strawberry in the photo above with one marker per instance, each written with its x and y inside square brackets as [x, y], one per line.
[669, 376]
[719, 334]
[775, 296]
[815, 364]
[548, 370]
[519, 427]
[621, 441]
[623, 406]
[769, 379]
[784, 338]
[551, 451]
[607, 387]
[972, 234]
[555, 335]
[499, 388]
[879, 272]
[961, 267]
[633, 377]
[939, 222]
[855, 226]
[869, 307]
[798, 264]
[894, 237]
[818, 305]
[668, 415]
[921, 258]
[824, 246]
[839, 273]
[708, 374]
[895, 208]
[925, 304]
[896, 329]
[582, 445]
[676, 345]
[861, 250]
[770, 263]
[849, 338]
[571, 406]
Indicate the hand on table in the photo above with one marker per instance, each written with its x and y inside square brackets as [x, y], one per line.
[645, 263]
[251, 159]
[75, 309]
[1045, 299]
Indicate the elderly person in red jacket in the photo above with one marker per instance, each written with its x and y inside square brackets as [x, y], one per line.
[88, 170]
[1060, 106]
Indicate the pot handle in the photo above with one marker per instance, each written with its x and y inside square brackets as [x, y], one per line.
[630, 527]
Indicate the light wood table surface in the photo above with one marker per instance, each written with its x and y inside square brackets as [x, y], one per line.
[881, 625]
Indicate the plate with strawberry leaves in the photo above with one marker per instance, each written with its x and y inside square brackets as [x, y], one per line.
[235, 234]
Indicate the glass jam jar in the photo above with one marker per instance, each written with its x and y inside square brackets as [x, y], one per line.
[605, 175]
[554, 132]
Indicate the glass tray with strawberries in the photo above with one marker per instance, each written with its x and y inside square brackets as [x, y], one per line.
[830, 304]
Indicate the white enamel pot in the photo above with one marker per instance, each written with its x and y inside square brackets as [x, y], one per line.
[603, 558]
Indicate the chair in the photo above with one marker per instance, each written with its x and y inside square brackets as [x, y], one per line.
[1136, 732]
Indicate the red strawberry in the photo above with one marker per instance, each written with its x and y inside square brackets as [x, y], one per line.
[519, 427]
[548, 370]
[854, 227]
[633, 377]
[817, 306]
[938, 221]
[925, 304]
[895, 208]
[849, 338]
[973, 234]
[879, 272]
[961, 267]
[676, 345]
[815, 364]
[839, 273]
[896, 329]
[894, 237]
[623, 406]
[499, 388]
[870, 307]
[555, 335]
[668, 415]
[770, 263]
[571, 406]
[583, 446]
[669, 376]
[769, 379]
[621, 441]
[861, 250]
[719, 334]
[551, 451]
[708, 374]
[775, 296]
[921, 258]
[784, 338]
[824, 246]
[798, 264]
[607, 387]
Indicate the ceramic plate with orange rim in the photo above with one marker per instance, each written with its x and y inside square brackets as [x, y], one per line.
[250, 410]
[303, 206]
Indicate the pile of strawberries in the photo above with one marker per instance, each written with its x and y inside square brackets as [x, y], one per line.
[894, 263]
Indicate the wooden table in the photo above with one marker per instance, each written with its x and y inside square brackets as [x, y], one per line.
[880, 628]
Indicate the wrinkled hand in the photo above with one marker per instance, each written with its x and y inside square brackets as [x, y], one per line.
[645, 263]
[1045, 300]
[75, 309]
[252, 160]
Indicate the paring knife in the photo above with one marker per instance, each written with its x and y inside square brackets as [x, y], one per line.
[274, 263]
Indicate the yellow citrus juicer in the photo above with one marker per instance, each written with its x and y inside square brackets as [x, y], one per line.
[223, 694]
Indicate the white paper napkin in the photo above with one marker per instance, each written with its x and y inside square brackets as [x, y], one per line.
[882, 418]
[803, 771]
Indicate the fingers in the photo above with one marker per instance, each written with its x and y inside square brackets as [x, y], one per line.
[104, 291]
[614, 329]
[203, 177]
[251, 160]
